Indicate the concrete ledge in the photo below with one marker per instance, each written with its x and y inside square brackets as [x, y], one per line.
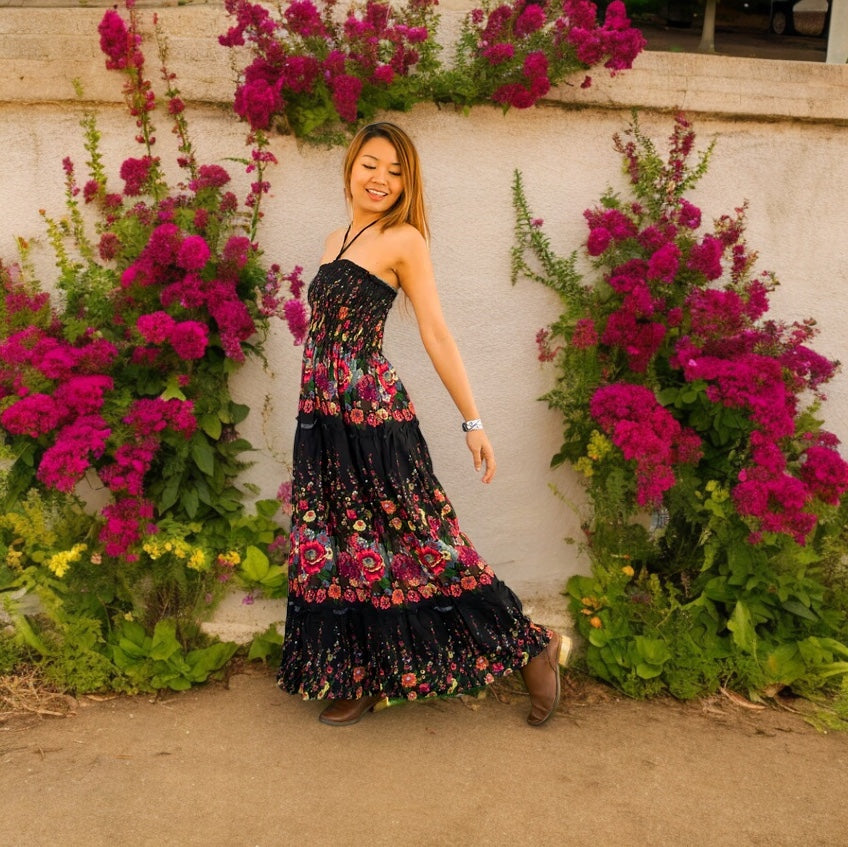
[42, 50]
[722, 86]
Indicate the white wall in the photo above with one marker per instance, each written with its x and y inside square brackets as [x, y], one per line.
[781, 142]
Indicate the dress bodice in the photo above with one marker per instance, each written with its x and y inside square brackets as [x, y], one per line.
[349, 306]
[344, 371]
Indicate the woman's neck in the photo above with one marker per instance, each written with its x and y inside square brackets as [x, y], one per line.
[363, 219]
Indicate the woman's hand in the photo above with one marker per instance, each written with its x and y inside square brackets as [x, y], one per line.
[483, 453]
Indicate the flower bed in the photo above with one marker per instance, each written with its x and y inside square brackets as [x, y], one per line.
[682, 400]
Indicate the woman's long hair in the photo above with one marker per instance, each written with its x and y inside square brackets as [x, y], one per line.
[409, 207]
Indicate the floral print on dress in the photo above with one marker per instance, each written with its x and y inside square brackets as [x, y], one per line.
[386, 593]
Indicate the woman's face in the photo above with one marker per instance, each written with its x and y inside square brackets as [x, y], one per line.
[376, 182]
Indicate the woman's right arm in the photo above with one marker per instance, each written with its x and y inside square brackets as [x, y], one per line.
[415, 272]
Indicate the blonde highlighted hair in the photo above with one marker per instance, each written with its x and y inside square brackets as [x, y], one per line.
[409, 207]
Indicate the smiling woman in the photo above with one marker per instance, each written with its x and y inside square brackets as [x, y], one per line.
[387, 595]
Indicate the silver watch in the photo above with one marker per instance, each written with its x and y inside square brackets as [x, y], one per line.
[476, 423]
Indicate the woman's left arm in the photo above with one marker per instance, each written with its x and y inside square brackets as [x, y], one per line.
[415, 273]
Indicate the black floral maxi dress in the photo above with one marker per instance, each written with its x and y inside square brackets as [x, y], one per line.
[386, 593]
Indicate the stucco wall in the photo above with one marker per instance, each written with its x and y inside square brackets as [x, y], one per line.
[781, 145]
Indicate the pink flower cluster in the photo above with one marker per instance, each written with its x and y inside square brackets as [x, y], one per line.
[615, 43]
[120, 45]
[178, 266]
[127, 521]
[66, 409]
[73, 452]
[307, 53]
[67, 415]
[288, 306]
[825, 473]
[682, 309]
[82, 390]
[647, 434]
[529, 45]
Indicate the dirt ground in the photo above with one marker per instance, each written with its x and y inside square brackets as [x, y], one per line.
[244, 765]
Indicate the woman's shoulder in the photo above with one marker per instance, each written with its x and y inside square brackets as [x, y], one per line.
[403, 239]
[333, 243]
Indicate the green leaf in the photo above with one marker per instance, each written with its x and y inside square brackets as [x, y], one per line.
[203, 455]
[207, 660]
[170, 493]
[238, 412]
[265, 644]
[598, 637]
[668, 396]
[784, 664]
[267, 508]
[256, 569]
[654, 651]
[255, 565]
[212, 426]
[165, 642]
[190, 501]
[27, 634]
[172, 389]
[744, 635]
[644, 671]
[799, 609]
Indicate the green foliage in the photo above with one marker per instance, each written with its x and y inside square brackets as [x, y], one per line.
[265, 645]
[11, 653]
[257, 570]
[76, 658]
[159, 660]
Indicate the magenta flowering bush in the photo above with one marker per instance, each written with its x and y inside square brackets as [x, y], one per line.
[513, 54]
[120, 376]
[716, 500]
[318, 73]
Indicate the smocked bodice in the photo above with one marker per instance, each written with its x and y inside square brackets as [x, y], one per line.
[349, 307]
[344, 370]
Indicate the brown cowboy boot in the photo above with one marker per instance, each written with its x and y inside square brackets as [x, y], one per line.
[541, 676]
[348, 712]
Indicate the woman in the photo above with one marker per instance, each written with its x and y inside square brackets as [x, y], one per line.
[387, 596]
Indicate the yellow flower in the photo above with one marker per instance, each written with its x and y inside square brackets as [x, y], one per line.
[627, 570]
[59, 563]
[197, 560]
[584, 466]
[598, 447]
[13, 558]
[153, 549]
[596, 622]
[229, 559]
